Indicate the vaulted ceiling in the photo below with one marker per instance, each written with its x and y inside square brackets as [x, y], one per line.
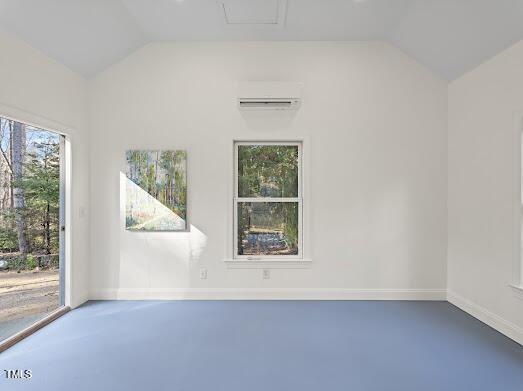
[448, 36]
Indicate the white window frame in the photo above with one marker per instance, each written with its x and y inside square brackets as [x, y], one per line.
[299, 200]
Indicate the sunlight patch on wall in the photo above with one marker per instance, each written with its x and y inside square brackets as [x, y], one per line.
[150, 213]
[150, 253]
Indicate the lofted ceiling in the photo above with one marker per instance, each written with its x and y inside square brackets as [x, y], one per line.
[448, 36]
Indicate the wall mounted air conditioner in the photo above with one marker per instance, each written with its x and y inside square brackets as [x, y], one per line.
[269, 95]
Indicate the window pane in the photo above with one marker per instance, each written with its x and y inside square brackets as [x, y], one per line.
[267, 171]
[267, 228]
[30, 203]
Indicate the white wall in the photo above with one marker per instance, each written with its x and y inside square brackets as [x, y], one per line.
[483, 191]
[37, 90]
[377, 127]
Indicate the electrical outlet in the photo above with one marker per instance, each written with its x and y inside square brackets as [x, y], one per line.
[266, 274]
[203, 273]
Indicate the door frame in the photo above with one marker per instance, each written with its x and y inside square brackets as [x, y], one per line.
[64, 131]
[62, 218]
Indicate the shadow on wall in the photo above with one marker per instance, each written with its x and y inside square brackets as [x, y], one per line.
[155, 260]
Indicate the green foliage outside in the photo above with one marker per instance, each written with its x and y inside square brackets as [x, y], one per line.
[30, 261]
[267, 171]
[42, 196]
[40, 185]
[8, 239]
[268, 228]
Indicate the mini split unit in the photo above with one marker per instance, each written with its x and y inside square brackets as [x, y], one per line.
[262, 95]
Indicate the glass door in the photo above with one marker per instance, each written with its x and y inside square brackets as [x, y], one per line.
[31, 225]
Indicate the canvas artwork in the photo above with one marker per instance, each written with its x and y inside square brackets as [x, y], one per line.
[156, 190]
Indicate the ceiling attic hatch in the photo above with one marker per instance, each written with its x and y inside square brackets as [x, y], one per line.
[254, 13]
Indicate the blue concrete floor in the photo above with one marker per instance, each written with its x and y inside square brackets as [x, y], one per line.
[266, 345]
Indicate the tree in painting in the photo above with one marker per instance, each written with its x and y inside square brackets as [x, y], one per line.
[156, 191]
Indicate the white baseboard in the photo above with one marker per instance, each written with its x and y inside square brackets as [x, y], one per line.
[505, 327]
[268, 294]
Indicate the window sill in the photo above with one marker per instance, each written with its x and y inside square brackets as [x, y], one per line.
[517, 290]
[268, 264]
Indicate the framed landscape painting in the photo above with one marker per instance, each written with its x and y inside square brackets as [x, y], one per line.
[156, 190]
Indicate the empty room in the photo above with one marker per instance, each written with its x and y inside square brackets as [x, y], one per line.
[261, 195]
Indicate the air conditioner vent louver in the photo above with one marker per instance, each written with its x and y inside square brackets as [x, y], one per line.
[266, 104]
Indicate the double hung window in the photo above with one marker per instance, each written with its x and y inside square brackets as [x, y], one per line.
[268, 200]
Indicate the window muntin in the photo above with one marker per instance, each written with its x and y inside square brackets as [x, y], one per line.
[268, 200]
